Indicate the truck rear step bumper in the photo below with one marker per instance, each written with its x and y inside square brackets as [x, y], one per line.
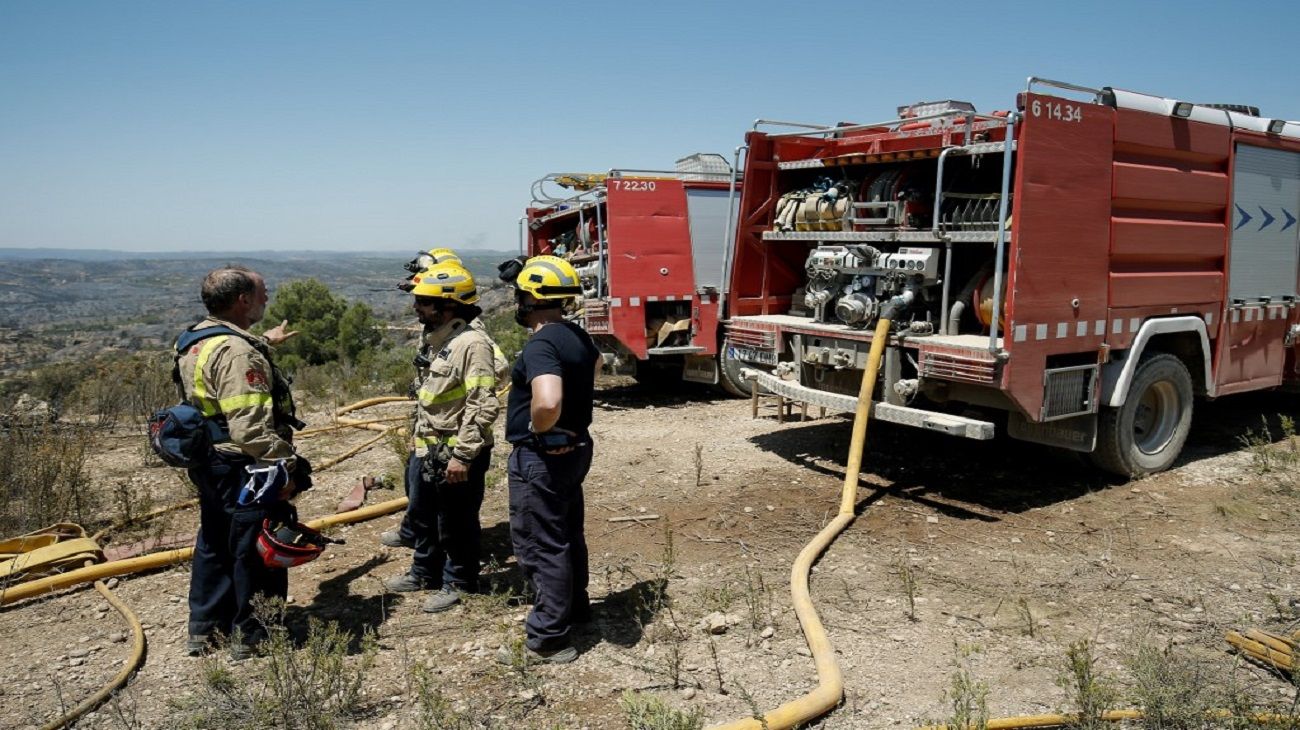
[945, 423]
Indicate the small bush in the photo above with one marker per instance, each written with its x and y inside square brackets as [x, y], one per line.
[42, 477]
[1175, 691]
[968, 697]
[384, 371]
[316, 687]
[646, 712]
[107, 389]
[1280, 460]
[1090, 692]
[435, 712]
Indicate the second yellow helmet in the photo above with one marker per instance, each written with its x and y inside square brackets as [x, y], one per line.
[549, 277]
[447, 280]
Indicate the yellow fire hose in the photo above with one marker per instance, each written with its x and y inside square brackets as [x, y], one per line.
[123, 674]
[343, 423]
[100, 571]
[372, 402]
[830, 681]
[328, 463]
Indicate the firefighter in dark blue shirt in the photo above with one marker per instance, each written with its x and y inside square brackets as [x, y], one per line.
[548, 415]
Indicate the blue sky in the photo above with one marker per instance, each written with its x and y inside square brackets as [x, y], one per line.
[388, 125]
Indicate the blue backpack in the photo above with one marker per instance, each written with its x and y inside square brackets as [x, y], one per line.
[181, 435]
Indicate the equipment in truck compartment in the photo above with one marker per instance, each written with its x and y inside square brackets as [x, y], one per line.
[1087, 267]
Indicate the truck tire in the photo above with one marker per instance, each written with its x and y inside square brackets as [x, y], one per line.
[729, 374]
[1147, 433]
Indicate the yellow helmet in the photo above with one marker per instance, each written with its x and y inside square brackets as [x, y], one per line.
[443, 255]
[448, 280]
[549, 277]
[434, 257]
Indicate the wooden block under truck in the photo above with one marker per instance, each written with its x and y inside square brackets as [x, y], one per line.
[650, 248]
[1089, 262]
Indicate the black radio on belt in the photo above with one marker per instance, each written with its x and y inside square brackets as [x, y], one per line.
[552, 440]
[421, 361]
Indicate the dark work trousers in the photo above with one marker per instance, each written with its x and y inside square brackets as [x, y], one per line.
[412, 480]
[228, 571]
[444, 521]
[546, 529]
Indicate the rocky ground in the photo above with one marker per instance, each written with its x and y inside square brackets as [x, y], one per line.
[982, 559]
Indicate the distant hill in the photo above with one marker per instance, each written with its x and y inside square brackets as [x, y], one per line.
[61, 304]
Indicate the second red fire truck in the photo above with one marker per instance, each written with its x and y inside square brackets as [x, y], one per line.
[651, 248]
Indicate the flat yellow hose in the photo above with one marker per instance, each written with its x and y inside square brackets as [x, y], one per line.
[132, 663]
[830, 681]
[372, 402]
[169, 557]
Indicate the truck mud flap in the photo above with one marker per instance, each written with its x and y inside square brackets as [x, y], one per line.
[903, 415]
[1076, 434]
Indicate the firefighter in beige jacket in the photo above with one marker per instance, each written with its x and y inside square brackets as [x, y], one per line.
[404, 534]
[228, 374]
[456, 407]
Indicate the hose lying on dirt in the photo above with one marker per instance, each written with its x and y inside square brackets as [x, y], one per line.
[353, 452]
[132, 663]
[1272, 650]
[346, 423]
[145, 517]
[41, 586]
[372, 402]
[830, 681]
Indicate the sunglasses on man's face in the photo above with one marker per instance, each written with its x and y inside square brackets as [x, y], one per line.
[441, 305]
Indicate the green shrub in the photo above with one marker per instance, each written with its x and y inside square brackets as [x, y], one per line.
[647, 712]
[316, 687]
[42, 477]
[329, 328]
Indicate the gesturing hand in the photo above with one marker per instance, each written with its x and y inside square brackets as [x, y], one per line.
[278, 334]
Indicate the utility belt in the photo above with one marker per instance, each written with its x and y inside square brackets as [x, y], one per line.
[554, 440]
[437, 453]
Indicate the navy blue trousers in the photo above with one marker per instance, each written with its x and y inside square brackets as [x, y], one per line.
[443, 520]
[546, 530]
[410, 481]
[227, 571]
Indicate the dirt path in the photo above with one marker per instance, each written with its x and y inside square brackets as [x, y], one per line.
[1011, 553]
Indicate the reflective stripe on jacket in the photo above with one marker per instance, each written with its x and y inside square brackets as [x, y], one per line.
[457, 402]
[227, 376]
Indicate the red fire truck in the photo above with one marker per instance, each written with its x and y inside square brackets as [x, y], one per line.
[650, 248]
[1088, 262]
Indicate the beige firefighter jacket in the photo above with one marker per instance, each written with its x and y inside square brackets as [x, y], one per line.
[500, 365]
[227, 376]
[457, 401]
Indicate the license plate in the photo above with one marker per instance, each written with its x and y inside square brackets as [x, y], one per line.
[749, 354]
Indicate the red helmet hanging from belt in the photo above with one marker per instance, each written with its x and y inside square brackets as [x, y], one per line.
[288, 544]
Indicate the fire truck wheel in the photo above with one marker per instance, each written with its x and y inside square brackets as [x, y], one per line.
[1146, 434]
[729, 375]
